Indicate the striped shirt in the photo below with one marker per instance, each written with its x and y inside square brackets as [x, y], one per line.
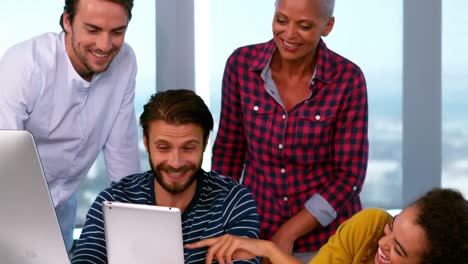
[219, 206]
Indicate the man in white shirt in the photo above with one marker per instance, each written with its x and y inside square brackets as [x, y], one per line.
[74, 91]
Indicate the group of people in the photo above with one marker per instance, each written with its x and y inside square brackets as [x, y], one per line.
[288, 162]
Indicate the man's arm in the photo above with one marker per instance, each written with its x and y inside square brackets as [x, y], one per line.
[240, 242]
[121, 149]
[243, 217]
[21, 85]
[91, 247]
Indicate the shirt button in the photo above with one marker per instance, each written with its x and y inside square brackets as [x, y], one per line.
[280, 146]
[255, 108]
[283, 170]
[283, 116]
[354, 188]
[285, 198]
[317, 117]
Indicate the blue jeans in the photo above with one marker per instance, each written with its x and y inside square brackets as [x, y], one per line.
[66, 215]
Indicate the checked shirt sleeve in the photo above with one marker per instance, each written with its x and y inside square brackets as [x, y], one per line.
[229, 147]
[350, 144]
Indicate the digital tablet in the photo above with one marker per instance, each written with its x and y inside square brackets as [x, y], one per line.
[143, 234]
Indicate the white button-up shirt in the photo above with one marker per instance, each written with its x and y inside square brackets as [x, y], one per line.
[71, 119]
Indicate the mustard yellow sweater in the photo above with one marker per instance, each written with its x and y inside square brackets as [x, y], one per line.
[356, 240]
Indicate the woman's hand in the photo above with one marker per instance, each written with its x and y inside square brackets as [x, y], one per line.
[228, 247]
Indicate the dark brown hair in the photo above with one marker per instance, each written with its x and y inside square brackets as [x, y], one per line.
[177, 107]
[71, 6]
[443, 215]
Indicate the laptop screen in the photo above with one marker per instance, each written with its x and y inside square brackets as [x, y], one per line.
[30, 231]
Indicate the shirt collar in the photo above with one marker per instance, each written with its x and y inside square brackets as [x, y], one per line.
[72, 72]
[201, 182]
[263, 56]
[323, 71]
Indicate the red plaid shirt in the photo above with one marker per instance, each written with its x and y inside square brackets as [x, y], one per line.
[319, 147]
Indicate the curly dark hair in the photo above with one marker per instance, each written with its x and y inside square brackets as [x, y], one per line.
[443, 215]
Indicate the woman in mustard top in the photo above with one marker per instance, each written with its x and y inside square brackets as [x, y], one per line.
[434, 229]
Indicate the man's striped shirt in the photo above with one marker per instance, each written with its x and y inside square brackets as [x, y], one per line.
[219, 206]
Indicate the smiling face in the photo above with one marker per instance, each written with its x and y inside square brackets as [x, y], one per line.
[95, 36]
[298, 26]
[176, 153]
[404, 240]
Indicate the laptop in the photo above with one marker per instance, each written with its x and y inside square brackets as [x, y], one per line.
[142, 233]
[29, 229]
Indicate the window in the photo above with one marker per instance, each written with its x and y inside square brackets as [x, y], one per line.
[455, 93]
[370, 36]
[377, 48]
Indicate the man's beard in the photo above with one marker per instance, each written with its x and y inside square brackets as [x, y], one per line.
[174, 188]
